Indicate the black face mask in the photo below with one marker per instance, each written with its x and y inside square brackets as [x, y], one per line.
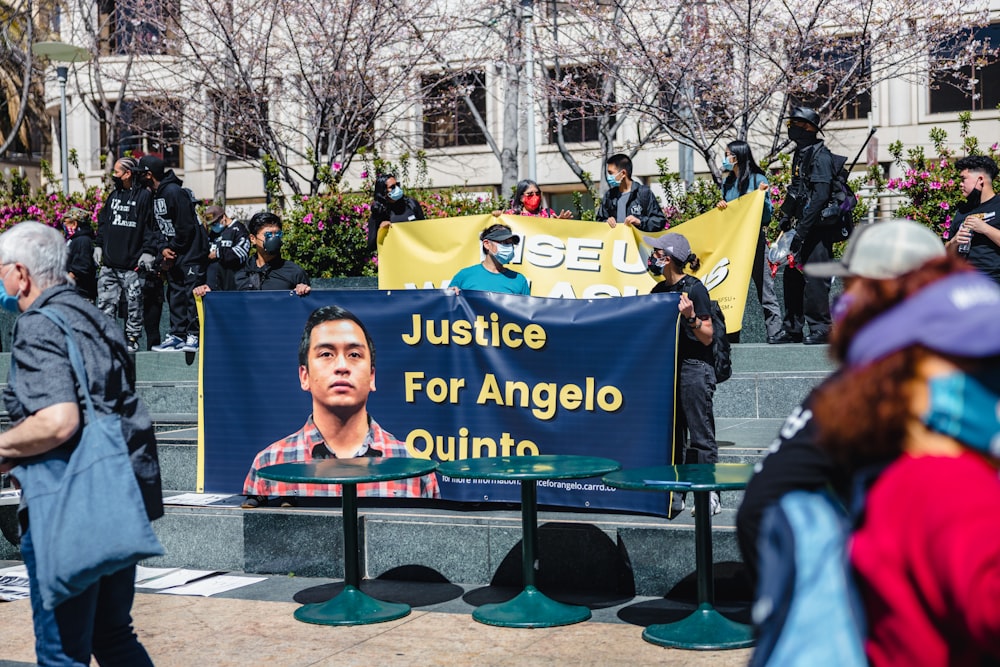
[972, 201]
[272, 246]
[801, 136]
[119, 183]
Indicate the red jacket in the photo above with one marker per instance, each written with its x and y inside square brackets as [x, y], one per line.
[928, 562]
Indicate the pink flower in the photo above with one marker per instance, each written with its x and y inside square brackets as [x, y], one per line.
[935, 185]
[337, 166]
[945, 205]
[364, 174]
[320, 226]
[308, 218]
[925, 174]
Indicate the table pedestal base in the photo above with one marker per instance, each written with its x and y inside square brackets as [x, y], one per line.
[351, 607]
[705, 629]
[530, 609]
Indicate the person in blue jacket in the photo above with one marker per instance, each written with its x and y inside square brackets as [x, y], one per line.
[743, 176]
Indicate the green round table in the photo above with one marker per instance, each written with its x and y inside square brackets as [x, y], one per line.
[351, 606]
[530, 608]
[705, 628]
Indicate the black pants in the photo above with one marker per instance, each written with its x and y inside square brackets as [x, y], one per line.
[181, 280]
[152, 308]
[694, 431]
[807, 299]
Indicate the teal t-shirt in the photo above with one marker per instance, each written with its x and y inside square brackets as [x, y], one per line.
[476, 277]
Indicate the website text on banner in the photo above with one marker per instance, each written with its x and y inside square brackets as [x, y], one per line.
[457, 376]
[575, 259]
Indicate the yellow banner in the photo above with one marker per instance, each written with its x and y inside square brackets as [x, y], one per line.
[573, 259]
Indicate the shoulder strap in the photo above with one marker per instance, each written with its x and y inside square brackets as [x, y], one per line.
[75, 359]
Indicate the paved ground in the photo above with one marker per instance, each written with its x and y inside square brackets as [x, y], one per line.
[254, 626]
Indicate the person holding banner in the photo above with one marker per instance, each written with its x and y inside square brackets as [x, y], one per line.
[695, 377]
[491, 275]
[744, 175]
[337, 368]
[527, 200]
[628, 202]
[390, 205]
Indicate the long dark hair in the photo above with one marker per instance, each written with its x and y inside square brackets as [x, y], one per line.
[381, 192]
[746, 166]
[516, 204]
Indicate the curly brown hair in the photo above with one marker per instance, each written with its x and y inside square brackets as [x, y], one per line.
[862, 412]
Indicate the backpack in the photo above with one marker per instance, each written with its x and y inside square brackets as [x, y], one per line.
[839, 211]
[807, 610]
[721, 349]
[722, 358]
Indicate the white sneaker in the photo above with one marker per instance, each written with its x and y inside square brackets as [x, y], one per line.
[171, 343]
[191, 344]
[131, 345]
[714, 503]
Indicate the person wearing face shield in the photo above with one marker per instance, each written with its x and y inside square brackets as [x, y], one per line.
[491, 275]
[627, 202]
[390, 205]
[975, 230]
[807, 299]
[266, 269]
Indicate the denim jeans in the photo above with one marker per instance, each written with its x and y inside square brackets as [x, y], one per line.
[695, 418]
[97, 621]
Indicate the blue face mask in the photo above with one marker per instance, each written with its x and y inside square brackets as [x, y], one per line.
[967, 408]
[396, 193]
[727, 165]
[612, 181]
[217, 227]
[8, 302]
[504, 253]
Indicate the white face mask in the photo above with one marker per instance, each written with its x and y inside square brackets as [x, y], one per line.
[504, 253]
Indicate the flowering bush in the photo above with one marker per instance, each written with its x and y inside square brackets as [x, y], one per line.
[18, 202]
[931, 184]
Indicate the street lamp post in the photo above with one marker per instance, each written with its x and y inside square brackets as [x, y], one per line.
[62, 53]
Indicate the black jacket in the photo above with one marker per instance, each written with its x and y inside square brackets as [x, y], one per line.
[174, 211]
[812, 176]
[403, 210]
[125, 228]
[641, 203]
[232, 247]
[80, 261]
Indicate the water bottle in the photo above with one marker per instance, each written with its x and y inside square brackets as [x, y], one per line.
[963, 248]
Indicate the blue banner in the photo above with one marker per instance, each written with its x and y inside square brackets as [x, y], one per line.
[457, 376]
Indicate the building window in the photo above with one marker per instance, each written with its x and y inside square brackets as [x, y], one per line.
[970, 87]
[574, 106]
[238, 122]
[143, 130]
[137, 26]
[448, 121]
[835, 72]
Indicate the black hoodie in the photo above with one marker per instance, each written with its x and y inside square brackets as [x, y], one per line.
[80, 261]
[125, 228]
[174, 211]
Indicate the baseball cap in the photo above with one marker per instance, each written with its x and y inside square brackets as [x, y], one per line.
[883, 250]
[502, 234]
[958, 315]
[675, 245]
[153, 165]
[213, 214]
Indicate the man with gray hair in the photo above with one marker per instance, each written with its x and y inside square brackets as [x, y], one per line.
[42, 400]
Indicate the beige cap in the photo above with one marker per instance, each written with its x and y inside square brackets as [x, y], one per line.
[883, 250]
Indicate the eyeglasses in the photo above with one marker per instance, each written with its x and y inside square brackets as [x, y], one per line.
[272, 235]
